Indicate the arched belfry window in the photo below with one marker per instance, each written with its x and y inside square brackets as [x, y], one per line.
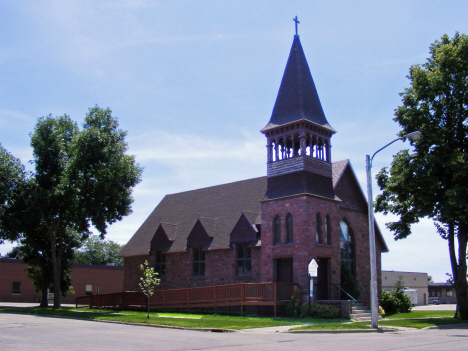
[346, 245]
[289, 228]
[326, 228]
[318, 228]
[277, 230]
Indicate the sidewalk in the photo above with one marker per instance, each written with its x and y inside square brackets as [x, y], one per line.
[30, 304]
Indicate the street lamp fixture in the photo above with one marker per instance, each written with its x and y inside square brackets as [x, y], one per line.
[373, 265]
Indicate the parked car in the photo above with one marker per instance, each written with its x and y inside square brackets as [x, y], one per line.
[433, 300]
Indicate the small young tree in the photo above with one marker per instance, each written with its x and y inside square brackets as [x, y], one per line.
[148, 281]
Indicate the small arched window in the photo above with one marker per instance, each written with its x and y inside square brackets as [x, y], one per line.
[318, 229]
[327, 230]
[289, 228]
[277, 230]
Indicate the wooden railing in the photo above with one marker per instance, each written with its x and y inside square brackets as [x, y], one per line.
[255, 294]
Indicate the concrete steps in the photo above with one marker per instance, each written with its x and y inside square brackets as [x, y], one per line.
[361, 313]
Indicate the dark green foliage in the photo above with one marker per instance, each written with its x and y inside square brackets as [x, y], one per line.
[99, 251]
[396, 301]
[348, 283]
[81, 179]
[293, 308]
[432, 181]
[320, 311]
[13, 180]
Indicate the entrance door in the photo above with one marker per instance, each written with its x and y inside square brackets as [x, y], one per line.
[322, 278]
[284, 270]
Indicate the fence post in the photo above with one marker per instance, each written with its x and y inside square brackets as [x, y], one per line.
[215, 300]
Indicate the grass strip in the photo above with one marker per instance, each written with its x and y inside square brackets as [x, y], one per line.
[166, 319]
[421, 314]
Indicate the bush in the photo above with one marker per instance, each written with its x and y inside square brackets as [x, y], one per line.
[320, 311]
[396, 301]
[389, 302]
[293, 308]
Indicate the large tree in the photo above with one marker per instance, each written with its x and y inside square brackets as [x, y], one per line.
[81, 179]
[99, 251]
[432, 182]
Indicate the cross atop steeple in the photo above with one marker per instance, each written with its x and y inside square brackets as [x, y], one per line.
[297, 21]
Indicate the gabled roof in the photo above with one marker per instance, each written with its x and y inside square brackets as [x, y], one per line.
[343, 174]
[220, 206]
[297, 96]
[218, 209]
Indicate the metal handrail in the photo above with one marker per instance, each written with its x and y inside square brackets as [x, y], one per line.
[339, 287]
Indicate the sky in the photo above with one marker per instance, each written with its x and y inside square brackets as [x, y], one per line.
[193, 82]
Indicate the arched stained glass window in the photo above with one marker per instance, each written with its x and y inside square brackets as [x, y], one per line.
[289, 228]
[277, 230]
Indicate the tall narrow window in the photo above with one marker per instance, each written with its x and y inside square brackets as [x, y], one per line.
[160, 263]
[346, 245]
[318, 229]
[277, 230]
[244, 259]
[198, 262]
[289, 228]
[327, 230]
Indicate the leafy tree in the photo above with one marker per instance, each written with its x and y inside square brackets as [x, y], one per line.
[148, 281]
[16, 252]
[432, 181]
[429, 279]
[98, 251]
[13, 180]
[81, 178]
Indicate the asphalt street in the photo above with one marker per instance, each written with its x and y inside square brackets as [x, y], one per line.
[22, 332]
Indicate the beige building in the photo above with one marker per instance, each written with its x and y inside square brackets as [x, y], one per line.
[412, 280]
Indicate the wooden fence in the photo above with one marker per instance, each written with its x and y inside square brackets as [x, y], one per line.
[252, 294]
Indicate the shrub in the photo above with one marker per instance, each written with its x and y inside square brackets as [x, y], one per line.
[320, 311]
[396, 301]
[389, 302]
[293, 308]
[348, 283]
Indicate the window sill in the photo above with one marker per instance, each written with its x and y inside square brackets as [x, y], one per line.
[16, 294]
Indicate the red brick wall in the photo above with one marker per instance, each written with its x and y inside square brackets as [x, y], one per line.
[12, 270]
[108, 279]
[304, 247]
[220, 269]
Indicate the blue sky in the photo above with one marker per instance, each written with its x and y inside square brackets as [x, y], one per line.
[193, 82]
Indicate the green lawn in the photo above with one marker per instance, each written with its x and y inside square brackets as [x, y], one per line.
[168, 319]
[417, 319]
[421, 314]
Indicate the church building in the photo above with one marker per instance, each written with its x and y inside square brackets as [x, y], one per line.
[267, 229]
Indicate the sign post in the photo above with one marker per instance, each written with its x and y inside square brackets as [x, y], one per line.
[312, 269]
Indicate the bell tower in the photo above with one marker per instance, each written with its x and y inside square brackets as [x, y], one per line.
[298, 134]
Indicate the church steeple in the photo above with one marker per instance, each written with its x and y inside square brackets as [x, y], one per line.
[298, 134]
[297, 96]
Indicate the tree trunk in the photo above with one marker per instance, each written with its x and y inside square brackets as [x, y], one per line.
[56, 262]
[44, 298]
[461, 287]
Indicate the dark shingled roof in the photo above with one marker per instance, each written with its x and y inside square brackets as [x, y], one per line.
[218, 209]
[297, 96]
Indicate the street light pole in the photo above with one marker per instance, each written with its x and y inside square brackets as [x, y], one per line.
[373, 264]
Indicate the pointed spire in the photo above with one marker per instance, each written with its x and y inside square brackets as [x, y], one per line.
[297, 97]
